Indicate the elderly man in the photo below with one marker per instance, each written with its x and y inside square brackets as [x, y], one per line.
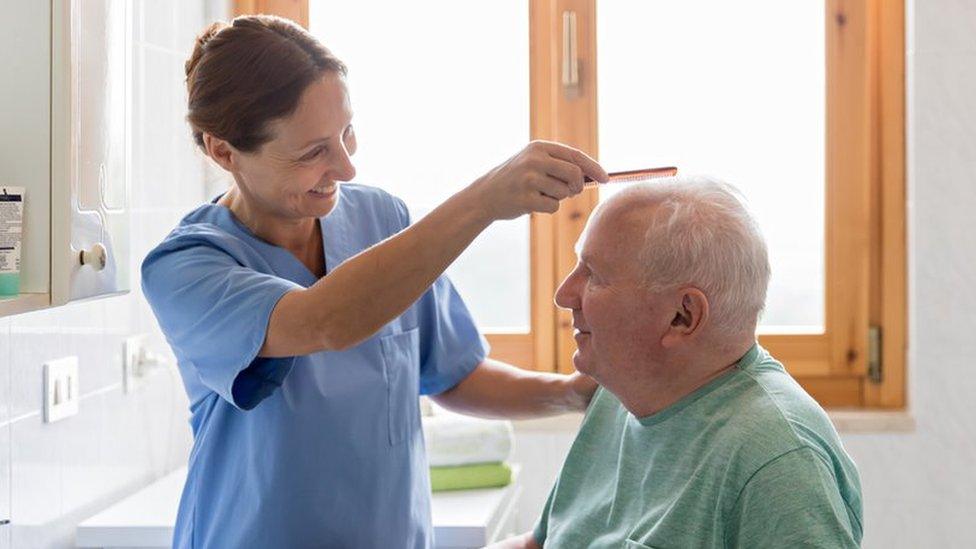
[697, 437]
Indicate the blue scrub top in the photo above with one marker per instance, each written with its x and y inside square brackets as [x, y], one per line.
[323, 450]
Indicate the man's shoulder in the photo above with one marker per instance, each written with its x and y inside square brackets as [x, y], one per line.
[772, 414]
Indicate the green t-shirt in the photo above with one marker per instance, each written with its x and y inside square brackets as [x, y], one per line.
[748, 460]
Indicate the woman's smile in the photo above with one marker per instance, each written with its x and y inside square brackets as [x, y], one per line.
[324, 191]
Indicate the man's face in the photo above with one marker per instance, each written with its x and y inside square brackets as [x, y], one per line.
[618, 323]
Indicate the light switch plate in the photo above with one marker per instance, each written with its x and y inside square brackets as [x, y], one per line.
[61, 389]
[132, 352]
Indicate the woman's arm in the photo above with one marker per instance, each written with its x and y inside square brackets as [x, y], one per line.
[356, 299]
[498, 390]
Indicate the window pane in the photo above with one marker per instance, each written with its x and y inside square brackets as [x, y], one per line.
[440, 97]
[734, 90]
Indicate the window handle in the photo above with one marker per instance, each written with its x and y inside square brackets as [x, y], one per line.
[570, 77]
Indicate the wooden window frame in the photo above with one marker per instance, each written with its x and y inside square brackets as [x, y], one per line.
[865, 237]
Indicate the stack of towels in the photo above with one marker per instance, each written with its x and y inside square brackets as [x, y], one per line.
[466, 452]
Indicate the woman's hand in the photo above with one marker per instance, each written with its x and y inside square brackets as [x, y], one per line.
[581, 390]
[535, 180]
[499, 390]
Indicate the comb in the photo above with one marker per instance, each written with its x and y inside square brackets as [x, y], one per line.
[631, 176]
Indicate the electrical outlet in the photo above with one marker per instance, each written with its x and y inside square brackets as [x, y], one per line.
[133, 351]
[61, 389]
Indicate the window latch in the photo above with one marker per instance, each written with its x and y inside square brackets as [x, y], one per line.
[570, 72]
[874, 354]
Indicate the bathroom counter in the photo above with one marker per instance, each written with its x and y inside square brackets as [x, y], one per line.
[465, 518]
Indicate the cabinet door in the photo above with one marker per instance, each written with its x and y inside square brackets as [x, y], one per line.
[90, 221]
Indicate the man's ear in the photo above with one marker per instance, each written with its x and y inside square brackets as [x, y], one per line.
[222, 152]
[689, 316]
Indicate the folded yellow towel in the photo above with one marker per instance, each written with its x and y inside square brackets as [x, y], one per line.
[468, 477]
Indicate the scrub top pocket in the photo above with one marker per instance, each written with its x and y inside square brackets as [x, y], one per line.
[401, 363]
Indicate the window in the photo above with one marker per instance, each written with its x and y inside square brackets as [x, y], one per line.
[742, 102]
[425, 134]
[826, 80]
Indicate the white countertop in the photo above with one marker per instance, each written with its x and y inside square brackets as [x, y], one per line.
[466, 518]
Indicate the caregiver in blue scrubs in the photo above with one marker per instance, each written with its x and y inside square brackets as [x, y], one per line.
[308, 314]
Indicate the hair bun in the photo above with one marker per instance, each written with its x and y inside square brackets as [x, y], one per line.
[202, 39]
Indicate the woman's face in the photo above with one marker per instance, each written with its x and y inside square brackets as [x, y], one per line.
[297, 174]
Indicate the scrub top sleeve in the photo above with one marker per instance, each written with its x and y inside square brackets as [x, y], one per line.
[215, 315]
[451, 346]
[402, 214]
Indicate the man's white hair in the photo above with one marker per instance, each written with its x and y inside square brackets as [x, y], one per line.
[700, 233]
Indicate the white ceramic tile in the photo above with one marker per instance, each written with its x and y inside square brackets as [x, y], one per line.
[29, 349]
[159, 23]
[944, 25]
[98, 365]
[35, 481]
[4, 484]
[190, 177]
[135, 15]
[190, 22]
[157, 130]
[165, 393]
[83, 474]
[118, 311]
[5, 390]
[187, 190]
[137, 125]
[152, 227]
[44, 318]
[129, 442]
[82, 316]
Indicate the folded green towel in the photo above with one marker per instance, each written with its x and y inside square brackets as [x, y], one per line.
[467, 477]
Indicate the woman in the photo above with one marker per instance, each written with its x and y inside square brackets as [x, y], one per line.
[307, 315]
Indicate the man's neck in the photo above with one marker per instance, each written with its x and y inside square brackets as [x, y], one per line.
[666, 384]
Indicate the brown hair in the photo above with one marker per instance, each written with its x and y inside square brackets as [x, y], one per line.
[245, 74]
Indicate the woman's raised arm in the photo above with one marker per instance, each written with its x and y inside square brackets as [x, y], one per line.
[358, 297]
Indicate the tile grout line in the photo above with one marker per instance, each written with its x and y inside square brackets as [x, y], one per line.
[96, 392]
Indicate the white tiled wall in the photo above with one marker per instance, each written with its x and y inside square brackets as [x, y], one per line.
[52, 476]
